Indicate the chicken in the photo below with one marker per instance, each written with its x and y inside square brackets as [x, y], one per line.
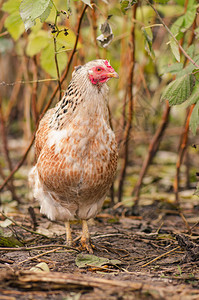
[76, 151]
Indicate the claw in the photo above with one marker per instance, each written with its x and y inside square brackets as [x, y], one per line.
[87, 245]
[85, 239]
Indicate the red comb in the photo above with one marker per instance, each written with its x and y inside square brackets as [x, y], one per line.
[109, 66]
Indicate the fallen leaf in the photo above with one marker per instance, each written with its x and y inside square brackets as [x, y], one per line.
[85, 260]
[41, 267]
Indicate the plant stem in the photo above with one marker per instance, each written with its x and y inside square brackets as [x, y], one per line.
[130, 106]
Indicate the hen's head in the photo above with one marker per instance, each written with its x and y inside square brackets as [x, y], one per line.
[97, 71]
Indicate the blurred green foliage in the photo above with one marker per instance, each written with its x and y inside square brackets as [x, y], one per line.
[160, 67]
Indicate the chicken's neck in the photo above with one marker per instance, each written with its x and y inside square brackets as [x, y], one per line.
[82, 100]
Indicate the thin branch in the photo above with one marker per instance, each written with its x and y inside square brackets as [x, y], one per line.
[94, 30]
[37, 247]
[39, 255]
[57, 66]
[55, 53]
[25, 82]
[49, 102]
[160, 256]
[183, 147]
[34, 92]
[6, 150]
[29, 230]
[130, 106]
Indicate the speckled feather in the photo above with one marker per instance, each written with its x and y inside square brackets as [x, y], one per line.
[76, 151]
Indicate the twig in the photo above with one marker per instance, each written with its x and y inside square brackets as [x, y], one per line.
[39, 255]
[32, 217]
[55, 53]
[42, 95]
[185, 221]
[57, 66]
[130, 106]
[4, 138]
[94, 29]
[4, 33]
[20, 163]
[49, 102]
[6, 150]
[160, 256]
[21, 226]
[196, 224]
[3, 83]
[183, 147]
[34, 91]
[106, 235]
[37, 247]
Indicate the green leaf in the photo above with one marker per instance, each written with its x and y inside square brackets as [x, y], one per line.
[66, 41]
[13, 22]
[37, 42]
[148, 41]
[173, 69]
[189, 68]
[126, 4]
[175, 49]
[161, 1]
[180, 270]
[11, 6]
[194, 120]
[180, 26]
[47, 60]
[190, 50]
[84, 260]
[189, 18]
[191, 3]
[196, 32]
[179, 90]
[14, 25]
[46, 13]
[30, 10]
[177, 25]
[196, 74]
[194, 97]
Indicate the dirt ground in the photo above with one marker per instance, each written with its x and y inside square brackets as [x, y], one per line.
[151, 255]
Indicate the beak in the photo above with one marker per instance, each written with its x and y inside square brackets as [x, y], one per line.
[113, 74]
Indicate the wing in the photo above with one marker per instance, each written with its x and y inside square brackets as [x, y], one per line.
[42, 132]
[56, 117]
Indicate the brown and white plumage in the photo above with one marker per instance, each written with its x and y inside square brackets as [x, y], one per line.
[76, 150]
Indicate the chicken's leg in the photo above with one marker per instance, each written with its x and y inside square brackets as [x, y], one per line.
[68, 234]
[85, 239]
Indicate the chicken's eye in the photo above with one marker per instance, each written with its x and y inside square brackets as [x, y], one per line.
[98, 69]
